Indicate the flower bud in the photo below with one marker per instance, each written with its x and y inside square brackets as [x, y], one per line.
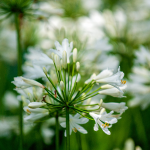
[74, 55]
[102, 111]
[64, 59]
[100, 103]
[62, 85]
[57, 62]
[77, 66]
[36, 104]
[45, 71]
[52, 56]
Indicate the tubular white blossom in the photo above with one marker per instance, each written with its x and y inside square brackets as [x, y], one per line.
[114, 91]
[114, 80]
[36, 104]
[117, 107]
[22, 82]
[62, 85]
[104, 74]
[74, 55]
[35, 114]
[77, 66]
[57, 62]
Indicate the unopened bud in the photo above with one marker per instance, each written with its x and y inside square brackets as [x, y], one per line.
[83, 96]
[45, 71]
[102, 111]
[88, 101]
[100, 103]
[64, 59]
[77, 66]
[57, 62]
[52, 56]
[74, 55]
[36, 104]
[62, 85]
[30, 97]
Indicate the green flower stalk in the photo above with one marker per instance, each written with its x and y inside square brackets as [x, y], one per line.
[18, 9]
[65, 98]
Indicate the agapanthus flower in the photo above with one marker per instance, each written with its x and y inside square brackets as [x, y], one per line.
[104, 120]
[64, 47]
[74, 124]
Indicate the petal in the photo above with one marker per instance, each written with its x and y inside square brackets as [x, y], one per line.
[63, 124]
[96, 127]
[106, 130]
[80, 129]
[77, 115]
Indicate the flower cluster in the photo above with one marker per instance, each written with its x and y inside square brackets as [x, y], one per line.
[61, 93]
[140, 79]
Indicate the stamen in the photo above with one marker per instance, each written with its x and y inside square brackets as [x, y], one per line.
[28, 110]
[123, 81]
[105, 125]
[74, 129]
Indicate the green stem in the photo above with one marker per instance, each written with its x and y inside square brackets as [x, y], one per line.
[67, 129]
[17, 24]
[57, 132]
[21, 125]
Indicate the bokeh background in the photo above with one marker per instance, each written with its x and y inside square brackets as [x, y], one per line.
[107, 34]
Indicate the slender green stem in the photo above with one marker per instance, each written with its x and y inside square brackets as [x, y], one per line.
[68, 77]
[17, 24]
[67, 129]
[57, 132]
[21, 124]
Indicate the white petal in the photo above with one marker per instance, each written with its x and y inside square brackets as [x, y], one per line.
[63, 124]
[96, 127]
[80, 129]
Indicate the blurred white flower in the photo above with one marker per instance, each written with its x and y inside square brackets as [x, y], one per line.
[35, 114]
[74, 124]
[117, 107]
[22, 82]
[115, 92]
[64, 47]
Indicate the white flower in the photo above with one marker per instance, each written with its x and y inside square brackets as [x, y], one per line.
[104, 74]
[33, 72]
[117, 107]
[103, 117]
[36, 104]
[65, 47]
[74, 124]
[22, 82]
[115, 92]
[43, 60]
[115, 80]
[35, 114]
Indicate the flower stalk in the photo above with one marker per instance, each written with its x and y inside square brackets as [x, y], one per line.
[57, 131]
[17, 24]
[67, 129]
